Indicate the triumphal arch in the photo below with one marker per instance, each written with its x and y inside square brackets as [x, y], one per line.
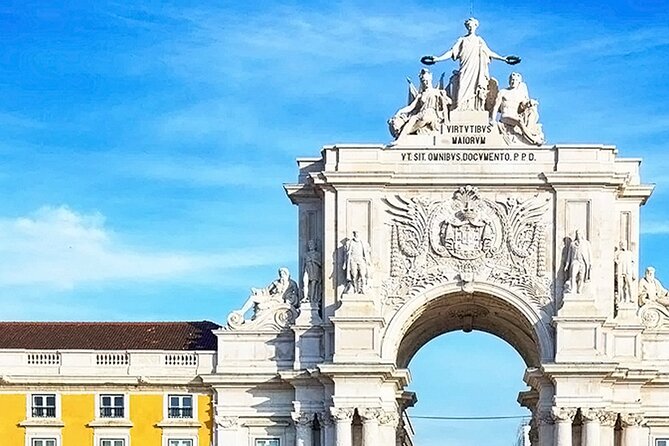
[467, 220]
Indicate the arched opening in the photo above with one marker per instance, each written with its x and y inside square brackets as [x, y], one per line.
[468, 312]
[467, 375]
[518, 331]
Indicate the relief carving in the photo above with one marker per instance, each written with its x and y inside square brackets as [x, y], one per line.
[467, 238]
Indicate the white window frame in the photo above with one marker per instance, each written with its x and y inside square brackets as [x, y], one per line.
[111, 434]
[192, 439]
[29, 406]
[43, 438]
[43, 434]
[98, 406]
[664, 438]
[112, 438]
[266, 438]
[166, 406]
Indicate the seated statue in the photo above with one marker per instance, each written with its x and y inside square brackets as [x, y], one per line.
[651, 290]
[518, 114]
[282, 290]
[427, 110]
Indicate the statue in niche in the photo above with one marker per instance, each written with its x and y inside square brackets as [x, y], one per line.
[282, 290]
[651, 290]
[518, 114]
[313, 272]
[625, 274]
[578, 265]
[426, 111]
[470, 86]
[356, 264]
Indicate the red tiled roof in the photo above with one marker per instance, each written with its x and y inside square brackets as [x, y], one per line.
[108, 335]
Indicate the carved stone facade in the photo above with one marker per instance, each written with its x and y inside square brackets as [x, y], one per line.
[432, 234]
[468, 238]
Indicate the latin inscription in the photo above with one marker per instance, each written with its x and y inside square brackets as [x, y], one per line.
[468, 155]
[468, 133]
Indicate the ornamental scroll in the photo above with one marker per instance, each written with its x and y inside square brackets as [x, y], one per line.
[467, 238]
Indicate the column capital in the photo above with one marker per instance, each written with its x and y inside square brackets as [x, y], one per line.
[389, 418]
[325, 418]
[562, 414]
[302, 418]
[369, 414]
[608, 418]
[591, 414]
[342, 413]
[631, 419]
[226, 422]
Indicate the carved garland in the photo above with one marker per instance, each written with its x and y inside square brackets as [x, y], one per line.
[467, 238]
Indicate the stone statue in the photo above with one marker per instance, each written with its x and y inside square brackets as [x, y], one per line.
[470, 89]
[651, 290]
[518, 114]
[282, 290]
[625, 273]
[578, 265]
[356, 264]
[313, 272]
[427, 109]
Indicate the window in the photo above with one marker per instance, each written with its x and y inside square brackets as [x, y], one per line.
[180, 406]
[112, 442]
[43, 442]
[267, 442]
[662, 442]
[44, 406]
[179, 442]
[112, 406]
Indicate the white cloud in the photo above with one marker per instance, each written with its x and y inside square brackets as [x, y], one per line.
[58, 247]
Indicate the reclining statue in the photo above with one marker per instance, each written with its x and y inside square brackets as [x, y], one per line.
[283, 290]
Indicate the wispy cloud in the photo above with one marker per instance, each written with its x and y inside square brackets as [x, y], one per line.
[58, 247]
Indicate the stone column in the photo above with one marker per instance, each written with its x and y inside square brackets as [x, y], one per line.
[343, 417]
[546, 427]
[370, 425]
[304, 428]
[590, 435]
[388, 422]
[607, 421]
[533, 434]
[227, 429]
[631, 423]
[327, 429]
[563, 417]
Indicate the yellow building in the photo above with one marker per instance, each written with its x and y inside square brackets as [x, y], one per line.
[106, 384]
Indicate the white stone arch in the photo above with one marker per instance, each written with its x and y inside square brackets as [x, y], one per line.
[451, 295]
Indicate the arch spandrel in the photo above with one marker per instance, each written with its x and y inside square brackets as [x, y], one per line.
[484, 306]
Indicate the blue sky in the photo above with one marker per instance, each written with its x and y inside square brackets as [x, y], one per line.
[143, 144]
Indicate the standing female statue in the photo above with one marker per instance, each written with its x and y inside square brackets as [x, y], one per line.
[470, 84]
